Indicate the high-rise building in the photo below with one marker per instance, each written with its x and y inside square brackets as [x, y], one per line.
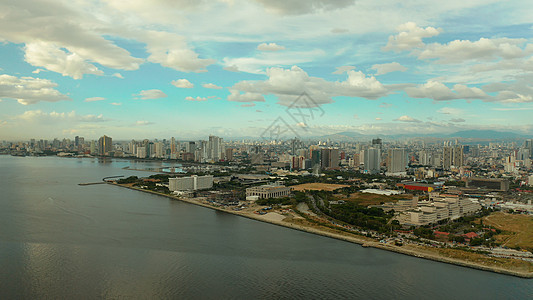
[329, 158]
[214, 147]
[372, 160]
[396, 160]
[452, 156]
[105, 145]
[229, 154]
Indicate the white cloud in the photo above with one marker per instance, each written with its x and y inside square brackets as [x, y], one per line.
[92, 99]
[151, 94]
[343, 69]
[211, 86]
[29, 90]
[407, 119]
[183, 83]
[36, 71]
[458, 120]
[60, 38]
[51, 57]
[270, 47]
[38, 116]
[171, 50]
[116, 103]
[410, 36]
[118, 75]
[450, 111]
[258, 64]
[288, 84]
[458, 51]
[387, 68]
[440, 92]
[297, 7]
[236, 96]
[189, 98]
[232, 68]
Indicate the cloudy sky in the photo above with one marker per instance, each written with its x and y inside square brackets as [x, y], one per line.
[162, 68]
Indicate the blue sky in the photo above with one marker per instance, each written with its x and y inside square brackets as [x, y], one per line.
[156, 69]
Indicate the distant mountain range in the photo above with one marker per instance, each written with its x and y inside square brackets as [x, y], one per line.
[465, 134]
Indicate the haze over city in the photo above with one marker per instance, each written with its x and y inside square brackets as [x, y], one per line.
[137, 69]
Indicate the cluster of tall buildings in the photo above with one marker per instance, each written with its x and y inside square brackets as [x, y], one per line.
[212, 150]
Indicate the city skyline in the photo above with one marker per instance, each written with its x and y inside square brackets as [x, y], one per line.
[231, 68]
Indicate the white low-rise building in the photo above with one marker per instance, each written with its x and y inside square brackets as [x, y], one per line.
[191, 183]
[268, 191]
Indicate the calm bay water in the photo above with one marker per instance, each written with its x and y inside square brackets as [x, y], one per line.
[61, 240]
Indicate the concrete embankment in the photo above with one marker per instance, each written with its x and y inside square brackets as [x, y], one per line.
[365, 242]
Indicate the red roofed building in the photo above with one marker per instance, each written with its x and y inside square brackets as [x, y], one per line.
[470, 235]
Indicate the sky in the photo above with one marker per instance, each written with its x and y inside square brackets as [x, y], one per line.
[134, 69]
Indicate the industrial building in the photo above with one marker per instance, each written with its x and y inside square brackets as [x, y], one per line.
[494, 184]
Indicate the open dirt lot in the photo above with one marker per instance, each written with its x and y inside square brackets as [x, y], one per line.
[517, 229]
[318, 187]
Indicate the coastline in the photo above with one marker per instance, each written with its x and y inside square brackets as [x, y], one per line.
[363, 241]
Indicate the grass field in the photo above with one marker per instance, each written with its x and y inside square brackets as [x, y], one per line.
[318, 187]
[517, 229]
[372, 199]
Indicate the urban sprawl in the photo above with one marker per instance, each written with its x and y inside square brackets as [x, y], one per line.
[436, 193]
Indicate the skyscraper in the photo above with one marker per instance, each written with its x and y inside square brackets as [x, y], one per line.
[329, 158]
[105, 145]
[372, 160]
[214, 147]
[396, 160]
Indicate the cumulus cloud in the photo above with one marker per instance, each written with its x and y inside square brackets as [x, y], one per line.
[29, 90]
[440, 92]
[409, 36]
[171, 50]
[484, 49]
[237, 96]
[118, 75]
[183, 83]
[270, 47]
[387, 68]
[298, 7]
[92, 99]
[343, 69]
[51, 57]
[408, 119]
[150, 94]
[288, 84]
[211, 86]
[56, 39]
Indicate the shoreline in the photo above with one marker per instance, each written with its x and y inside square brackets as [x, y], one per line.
[363, 241]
